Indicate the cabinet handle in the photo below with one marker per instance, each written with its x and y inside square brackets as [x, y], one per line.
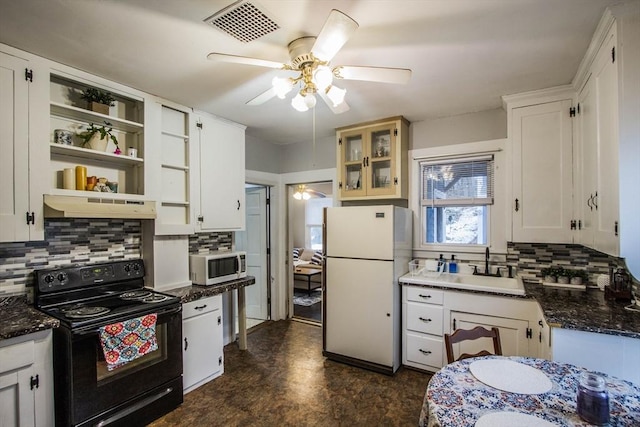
[364, 162]
[427, 352]
[200, 307]
[34, 382]
[454, 324]
[424, 296]
[589, 200]
[517, 205]
[595, 200]
[186, 344]
[615, 228]
[424, 320]
[238, 205]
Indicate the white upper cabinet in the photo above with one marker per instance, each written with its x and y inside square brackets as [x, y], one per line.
[541, 145]
[220, 159]
[23, 147]
[596, 189]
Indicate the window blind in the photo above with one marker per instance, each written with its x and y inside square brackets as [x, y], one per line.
[457, 182]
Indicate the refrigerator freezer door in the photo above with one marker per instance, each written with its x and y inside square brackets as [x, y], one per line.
[360, 310]
[360, 232]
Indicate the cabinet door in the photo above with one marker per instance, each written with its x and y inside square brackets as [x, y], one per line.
[513, 334]
[605, 80]
[17, 404]
[222, 175]
[14, 141]
[542, 173]
[382, 174]
[202, 347]
[586, 164]
[353, 158]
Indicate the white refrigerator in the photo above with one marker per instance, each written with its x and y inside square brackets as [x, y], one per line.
[367, 248]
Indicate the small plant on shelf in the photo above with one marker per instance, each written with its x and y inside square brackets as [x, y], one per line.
[90, 137]
[98, 100]
[578, 277]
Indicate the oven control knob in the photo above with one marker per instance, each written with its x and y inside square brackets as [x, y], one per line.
[62, 277]
[136, 267]
[49, 278]
[127, 268]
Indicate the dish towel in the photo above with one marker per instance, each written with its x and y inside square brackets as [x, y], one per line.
[125, 341]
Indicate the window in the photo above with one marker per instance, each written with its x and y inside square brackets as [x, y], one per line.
[313, 221]
[455, 195]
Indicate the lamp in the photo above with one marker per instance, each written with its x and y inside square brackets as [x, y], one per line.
[315, 75]
[301, 193]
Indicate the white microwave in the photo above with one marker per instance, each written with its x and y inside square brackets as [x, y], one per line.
[217, 267]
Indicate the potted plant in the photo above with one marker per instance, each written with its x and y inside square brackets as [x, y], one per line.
[98, 100]
[97, 137]
[562, 275]
[549, 275]
[578, 277]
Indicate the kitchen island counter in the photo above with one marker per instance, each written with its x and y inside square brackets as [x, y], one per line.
[20, 318]
[196, 292]
[586, 311]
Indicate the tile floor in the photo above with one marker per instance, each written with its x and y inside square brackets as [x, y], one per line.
[283, 380]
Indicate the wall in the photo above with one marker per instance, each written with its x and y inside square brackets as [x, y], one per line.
[478, 126]
[262, 155]
[67, 241]
[301, 157]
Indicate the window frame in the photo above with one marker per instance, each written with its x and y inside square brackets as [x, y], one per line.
[499, 219]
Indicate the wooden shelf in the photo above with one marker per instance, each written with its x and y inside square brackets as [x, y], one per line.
[174, 203]
[97, 194]
[176, 135]
[84, 153]
[80, 114]
[176, 167]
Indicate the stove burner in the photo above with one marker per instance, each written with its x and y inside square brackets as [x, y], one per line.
[134, 295]
[85, 312]
[154, 298]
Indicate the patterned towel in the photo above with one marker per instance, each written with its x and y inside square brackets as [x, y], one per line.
[123, 342]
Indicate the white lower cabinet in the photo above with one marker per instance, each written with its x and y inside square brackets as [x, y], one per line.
[26, 380]
[428, 313]
[202, 345]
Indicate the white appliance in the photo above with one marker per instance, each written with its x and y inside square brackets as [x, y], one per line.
[367, 248]
[217, 267]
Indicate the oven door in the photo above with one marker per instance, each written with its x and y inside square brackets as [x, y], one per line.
[98, 394]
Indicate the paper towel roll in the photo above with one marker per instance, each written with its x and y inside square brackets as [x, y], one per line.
[602, 281]
[68, 179]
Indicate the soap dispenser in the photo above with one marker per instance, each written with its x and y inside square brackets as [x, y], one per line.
[453, 265]
[442, 264]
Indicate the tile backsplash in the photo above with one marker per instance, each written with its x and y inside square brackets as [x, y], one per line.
[210, 242]
[67, 241]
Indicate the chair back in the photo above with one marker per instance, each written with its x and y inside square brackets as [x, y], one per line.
[460, 335]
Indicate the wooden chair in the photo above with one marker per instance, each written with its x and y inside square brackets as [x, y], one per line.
[472, 334]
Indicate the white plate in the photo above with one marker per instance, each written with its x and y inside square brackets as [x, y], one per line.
[510, 419]
[510, 376]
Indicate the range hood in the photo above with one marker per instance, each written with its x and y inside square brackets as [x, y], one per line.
[97, 207]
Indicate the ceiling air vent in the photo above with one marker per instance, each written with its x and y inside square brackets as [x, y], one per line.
[243, 20]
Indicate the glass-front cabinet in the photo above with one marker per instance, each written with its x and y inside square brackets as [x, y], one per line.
[372, 160]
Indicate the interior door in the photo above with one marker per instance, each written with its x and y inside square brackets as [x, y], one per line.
[254, 242]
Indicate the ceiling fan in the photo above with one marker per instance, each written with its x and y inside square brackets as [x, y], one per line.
[311, 59]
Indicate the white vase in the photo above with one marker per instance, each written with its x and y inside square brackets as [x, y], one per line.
[95, 143]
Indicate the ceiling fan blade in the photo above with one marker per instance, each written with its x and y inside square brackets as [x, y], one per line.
[334, 34]
[263, 97]
[339, 109]
[223, 57]
[374, 74]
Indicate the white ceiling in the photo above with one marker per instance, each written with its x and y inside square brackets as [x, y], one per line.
[464, 54]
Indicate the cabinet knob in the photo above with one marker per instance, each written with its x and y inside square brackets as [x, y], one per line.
[186, 344]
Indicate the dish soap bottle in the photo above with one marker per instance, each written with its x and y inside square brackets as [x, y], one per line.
[453, 265]
[442, 264]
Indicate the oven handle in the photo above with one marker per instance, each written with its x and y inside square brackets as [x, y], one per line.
[90, 331]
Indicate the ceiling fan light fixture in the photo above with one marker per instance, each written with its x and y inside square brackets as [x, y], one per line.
[301, 193]
[336, 95]
[309, 100]
[323, 77]
[282, 86]
[298, 103]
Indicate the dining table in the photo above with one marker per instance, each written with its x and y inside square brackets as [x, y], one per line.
[511, 390]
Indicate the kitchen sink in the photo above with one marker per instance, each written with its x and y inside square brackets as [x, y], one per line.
[500, 285]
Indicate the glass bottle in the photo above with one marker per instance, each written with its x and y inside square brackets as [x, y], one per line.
[593, 399]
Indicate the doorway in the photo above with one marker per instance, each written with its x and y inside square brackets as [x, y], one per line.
[306, 247]
[256, 241]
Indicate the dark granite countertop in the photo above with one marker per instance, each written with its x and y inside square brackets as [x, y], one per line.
[585, 311]
[18, 318]
[196, 292]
